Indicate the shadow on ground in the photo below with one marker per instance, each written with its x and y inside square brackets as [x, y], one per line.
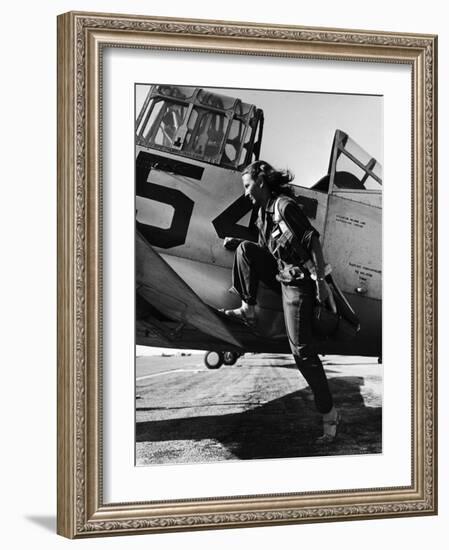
[282, 428]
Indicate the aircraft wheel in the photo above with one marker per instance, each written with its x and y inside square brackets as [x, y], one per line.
[213, 359]
[230, 357]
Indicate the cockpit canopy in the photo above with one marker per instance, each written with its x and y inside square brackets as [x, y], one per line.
[196, 123]
[350, 168]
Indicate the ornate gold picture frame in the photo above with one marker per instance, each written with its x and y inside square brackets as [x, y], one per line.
[82, 41]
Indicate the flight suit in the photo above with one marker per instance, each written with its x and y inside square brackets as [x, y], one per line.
[277, 259]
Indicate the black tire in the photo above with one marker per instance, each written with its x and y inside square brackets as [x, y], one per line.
[213, 359]
[230, 357]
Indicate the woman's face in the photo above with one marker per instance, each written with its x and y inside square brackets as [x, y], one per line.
[252, 189]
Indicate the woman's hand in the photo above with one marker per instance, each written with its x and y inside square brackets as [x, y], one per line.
[231, 243]
[324, 294]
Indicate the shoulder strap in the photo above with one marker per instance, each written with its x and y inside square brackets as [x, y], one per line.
[278, 216]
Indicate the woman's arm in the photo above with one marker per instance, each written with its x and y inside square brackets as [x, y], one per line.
[318, 260]
[317, 257]
[322, 287]
[309, 238]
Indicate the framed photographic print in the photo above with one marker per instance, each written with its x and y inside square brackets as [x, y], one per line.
[247, 274]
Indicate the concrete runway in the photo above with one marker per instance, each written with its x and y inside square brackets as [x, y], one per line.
[258, 408]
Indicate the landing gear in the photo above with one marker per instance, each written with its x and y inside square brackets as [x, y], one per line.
[230, 357]
[213, 359]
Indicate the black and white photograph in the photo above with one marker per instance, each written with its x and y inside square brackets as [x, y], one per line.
[223, 326]
[258, 274]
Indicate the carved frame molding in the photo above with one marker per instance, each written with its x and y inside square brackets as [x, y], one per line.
[81, 38]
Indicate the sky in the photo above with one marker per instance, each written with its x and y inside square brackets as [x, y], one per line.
[299, 128]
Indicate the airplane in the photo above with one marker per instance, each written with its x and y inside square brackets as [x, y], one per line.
[191, 147]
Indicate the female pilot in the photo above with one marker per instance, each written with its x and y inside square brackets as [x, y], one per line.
[289, 253]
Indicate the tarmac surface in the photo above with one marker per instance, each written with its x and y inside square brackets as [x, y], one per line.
[258, 408]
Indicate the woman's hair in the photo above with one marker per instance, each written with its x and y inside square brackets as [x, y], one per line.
[276, 180]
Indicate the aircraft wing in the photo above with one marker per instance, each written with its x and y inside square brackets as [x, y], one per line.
[168, 312]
